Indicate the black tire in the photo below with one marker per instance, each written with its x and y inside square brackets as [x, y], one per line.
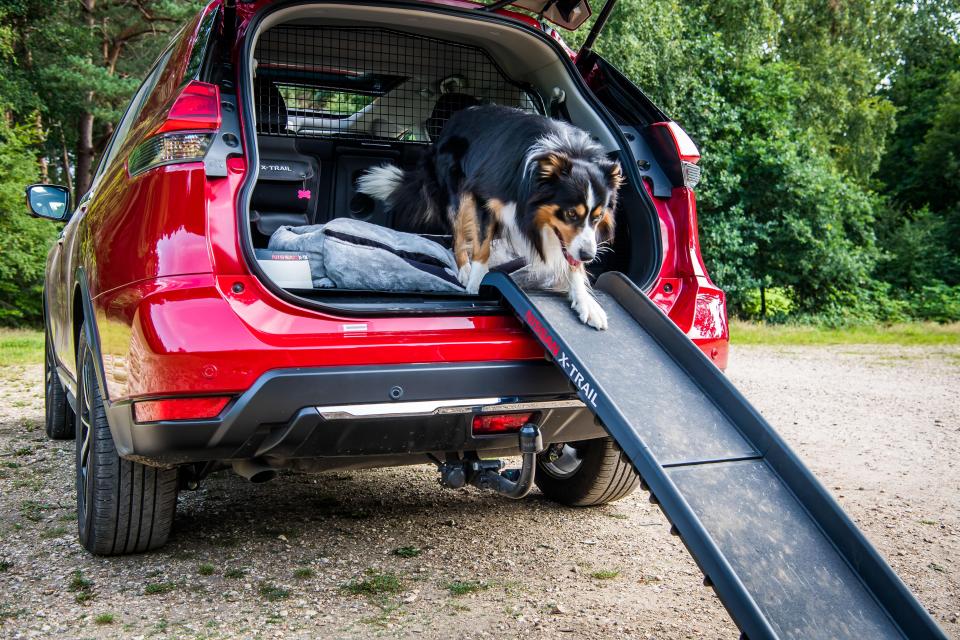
[58, 416]
[586, 474]
[122, 506]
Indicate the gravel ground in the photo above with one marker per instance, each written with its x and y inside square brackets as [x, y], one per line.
[879, 426]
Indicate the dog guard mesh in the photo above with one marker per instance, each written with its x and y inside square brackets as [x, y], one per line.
[372, 84]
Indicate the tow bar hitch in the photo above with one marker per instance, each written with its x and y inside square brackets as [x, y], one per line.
[485, 474]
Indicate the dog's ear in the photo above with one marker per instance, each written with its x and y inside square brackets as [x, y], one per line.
[553, 165]
[614, 174]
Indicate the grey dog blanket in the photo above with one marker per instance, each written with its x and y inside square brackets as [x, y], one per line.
[351, 254]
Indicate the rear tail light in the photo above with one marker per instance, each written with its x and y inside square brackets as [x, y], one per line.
[677, 153]
[197, 107]
[497, 423]
[179, 409]
[185, 134]
[168, 148]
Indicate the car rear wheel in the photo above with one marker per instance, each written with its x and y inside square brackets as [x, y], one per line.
[585, 474]
[122, 506]
[58, 416]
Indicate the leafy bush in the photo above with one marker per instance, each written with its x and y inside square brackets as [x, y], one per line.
[937, 302]
[24, 241]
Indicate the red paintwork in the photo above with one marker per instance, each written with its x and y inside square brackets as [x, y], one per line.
[178, 312]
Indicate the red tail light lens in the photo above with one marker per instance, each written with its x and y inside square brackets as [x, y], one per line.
[196, 108]
[670, 131]
[498, 423]
[179, 409]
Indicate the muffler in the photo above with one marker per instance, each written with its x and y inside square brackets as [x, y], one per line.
[254, 470]
[486, 474]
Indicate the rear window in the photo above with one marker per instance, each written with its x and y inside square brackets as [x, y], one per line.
[307, 100]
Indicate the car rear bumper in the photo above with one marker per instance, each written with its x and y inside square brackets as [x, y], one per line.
[282, 415]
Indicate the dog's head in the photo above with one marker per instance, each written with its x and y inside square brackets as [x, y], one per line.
[575, 199]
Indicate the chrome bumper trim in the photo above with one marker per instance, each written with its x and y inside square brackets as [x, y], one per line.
[438, 407]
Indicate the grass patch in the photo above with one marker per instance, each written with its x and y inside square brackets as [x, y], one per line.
[55, 532]
[33, 510]
[605, 574]
[21, 346]
[104, 619]
[463, 587]
[205, 569]
[234, 573]
[158, 588]
[81, 587]
[909, 334]
[374, 583]
[303, 573]
[272, 592]
[5, 566]
[407, 552]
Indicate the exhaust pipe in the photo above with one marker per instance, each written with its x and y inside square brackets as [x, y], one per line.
[485, 474]
[254, 470]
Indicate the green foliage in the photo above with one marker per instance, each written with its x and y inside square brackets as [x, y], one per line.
[24, 241]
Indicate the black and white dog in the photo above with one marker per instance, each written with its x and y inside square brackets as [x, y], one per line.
[542, 184]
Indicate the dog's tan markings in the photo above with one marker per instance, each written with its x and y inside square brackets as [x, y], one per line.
[597, 212]
[554, 164]
[465, 230]
[495, 207]
[544, 215]
[581, 210]
[605, 227]
[616, 176]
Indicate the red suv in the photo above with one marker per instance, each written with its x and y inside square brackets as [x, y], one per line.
[179, 343]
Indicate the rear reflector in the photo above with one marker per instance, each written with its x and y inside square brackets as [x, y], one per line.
[179, 409]
[497, 423]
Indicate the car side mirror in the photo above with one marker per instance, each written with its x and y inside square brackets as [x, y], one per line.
[49, 201]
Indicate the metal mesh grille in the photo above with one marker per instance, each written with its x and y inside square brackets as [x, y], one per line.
[372, 84]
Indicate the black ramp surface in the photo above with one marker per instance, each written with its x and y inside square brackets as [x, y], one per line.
[783, 558]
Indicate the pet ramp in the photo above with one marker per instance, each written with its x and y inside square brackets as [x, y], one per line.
[782, 556]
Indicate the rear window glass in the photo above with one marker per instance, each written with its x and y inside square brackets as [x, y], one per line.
[304, 100]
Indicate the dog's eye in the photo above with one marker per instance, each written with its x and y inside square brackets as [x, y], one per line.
[571, 215]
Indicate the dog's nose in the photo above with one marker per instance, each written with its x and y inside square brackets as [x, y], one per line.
[586, 255]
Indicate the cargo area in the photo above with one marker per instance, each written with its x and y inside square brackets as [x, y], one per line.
[338, 90]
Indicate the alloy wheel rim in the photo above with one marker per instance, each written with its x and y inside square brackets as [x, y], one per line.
[565, 465]
[84, 430]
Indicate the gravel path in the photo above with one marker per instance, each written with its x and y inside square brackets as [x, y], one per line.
[880, 427]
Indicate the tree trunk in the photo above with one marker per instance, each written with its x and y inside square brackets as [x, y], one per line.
[67, 175]
[85, 151]
[44, 161]
[763, 303]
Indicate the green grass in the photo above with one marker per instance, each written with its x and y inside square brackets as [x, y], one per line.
[21, 346]
[205, 569]
[605, 574]
[303, 573]
[375, 583]
[234, 573]
[910, 334]
[463, 587]
[406, 552]
[104, 619]
[273, 593]
[159, 588]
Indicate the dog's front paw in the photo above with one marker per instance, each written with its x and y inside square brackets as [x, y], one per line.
[463, 275]
[590, 312]
[477, 271]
